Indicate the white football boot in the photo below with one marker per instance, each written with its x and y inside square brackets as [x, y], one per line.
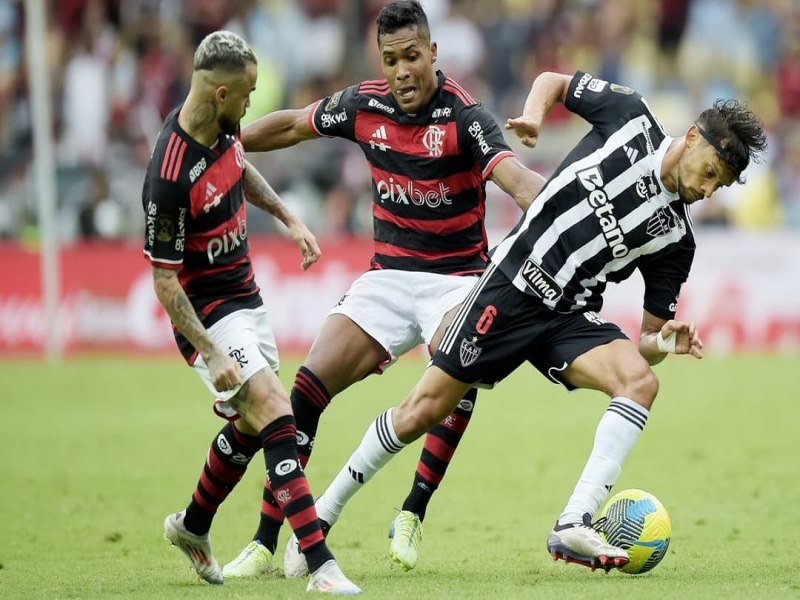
[197, 548]
[294, 561]
[579, 542]
[329, 579]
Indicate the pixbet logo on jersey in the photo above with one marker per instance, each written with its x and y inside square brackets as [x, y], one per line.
[392, 191]
[230, 240]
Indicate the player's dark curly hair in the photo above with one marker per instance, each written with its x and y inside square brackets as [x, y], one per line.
[736, 133]
[400, 14]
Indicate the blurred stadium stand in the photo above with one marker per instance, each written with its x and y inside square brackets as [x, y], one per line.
[117, 68]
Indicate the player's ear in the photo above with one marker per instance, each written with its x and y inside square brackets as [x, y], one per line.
[221, 93]
[434, 51]
[692, 135]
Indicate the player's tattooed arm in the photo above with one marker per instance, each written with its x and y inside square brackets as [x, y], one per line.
[224, 372]
[259, 193]
[175, 301]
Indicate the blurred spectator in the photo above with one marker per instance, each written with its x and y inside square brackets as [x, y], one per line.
[101, 217]
[117, 67]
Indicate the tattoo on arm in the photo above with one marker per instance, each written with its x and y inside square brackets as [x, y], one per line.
[180, 310]
[259, 193]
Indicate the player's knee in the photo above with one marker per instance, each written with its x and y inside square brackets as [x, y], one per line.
[642, 385]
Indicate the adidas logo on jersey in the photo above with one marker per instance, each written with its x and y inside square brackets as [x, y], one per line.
[631, 153]
[378, 139]
[212, 200]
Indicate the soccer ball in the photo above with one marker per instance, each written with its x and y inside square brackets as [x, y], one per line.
[636, 521]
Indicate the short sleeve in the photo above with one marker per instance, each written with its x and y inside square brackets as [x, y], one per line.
[664, 273]
[602, 103]
[166, 210]
[480, 136]
[335, 115]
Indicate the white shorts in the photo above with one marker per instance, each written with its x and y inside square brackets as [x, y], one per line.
[402, 309]
[246, 336]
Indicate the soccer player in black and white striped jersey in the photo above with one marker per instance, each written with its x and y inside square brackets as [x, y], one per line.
[619, 202]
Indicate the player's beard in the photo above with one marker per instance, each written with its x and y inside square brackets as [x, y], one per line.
[682, 194]
[228, 126]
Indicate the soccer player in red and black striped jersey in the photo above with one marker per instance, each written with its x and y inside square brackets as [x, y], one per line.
[430, 148]
[618, 203]
[194, 197]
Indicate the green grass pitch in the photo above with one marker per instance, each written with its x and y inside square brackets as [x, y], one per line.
[96, 451]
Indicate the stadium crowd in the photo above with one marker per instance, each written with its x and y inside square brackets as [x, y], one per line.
[117, 68]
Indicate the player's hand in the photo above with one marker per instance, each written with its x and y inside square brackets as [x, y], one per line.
[306, 241]
[687, 340]
[527, 130]
[224, 372]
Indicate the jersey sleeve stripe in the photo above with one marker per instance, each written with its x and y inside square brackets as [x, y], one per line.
[375, 86]
[167, 155]
[456, 89]
[163, 262]
[176, 169]
[311, 115]
[438, 226]
[493, 163]
[398, 251]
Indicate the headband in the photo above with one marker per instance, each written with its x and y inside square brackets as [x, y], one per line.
[726, 156]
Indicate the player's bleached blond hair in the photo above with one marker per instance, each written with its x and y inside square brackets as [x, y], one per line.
[225, 50]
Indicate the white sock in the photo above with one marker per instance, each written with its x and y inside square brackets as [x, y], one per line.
[616, 434]
[378, 446]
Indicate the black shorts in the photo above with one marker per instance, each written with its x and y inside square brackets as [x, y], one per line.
[498, 327]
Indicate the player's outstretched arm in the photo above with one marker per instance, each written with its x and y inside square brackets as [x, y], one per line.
[547, 89]
[259, 193]
[518, 181]
[659, 337]
[223, 370]
[279, 129]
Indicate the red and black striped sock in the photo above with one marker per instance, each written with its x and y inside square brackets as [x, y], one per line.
[226, 462]
[291, 491]
[440, 445]
[309, 399]
[271, 521]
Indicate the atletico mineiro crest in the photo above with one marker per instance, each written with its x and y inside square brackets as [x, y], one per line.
[469, 351]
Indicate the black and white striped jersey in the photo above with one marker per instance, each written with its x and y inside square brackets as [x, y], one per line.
[604, 212]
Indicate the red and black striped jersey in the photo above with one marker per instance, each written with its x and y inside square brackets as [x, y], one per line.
[196, 222]
[428, 172]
